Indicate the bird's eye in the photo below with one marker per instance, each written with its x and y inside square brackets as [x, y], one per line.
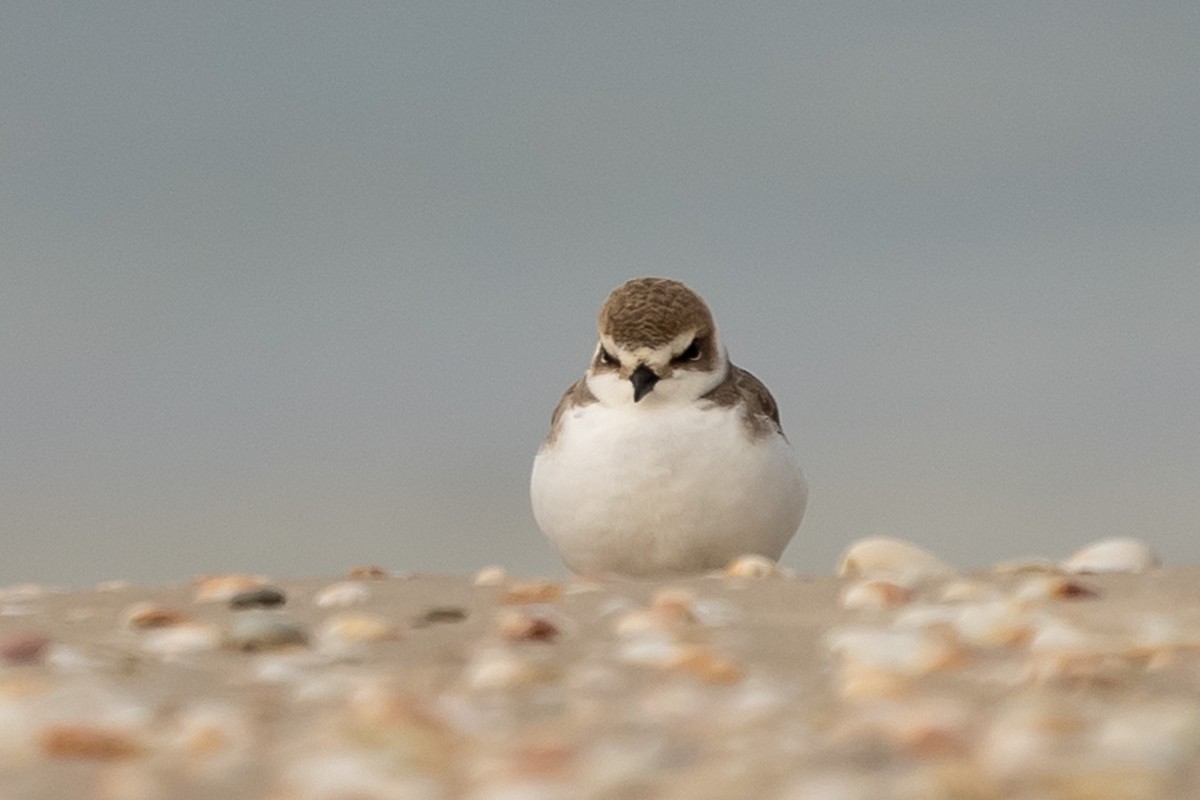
[606, 358]
[692, 353]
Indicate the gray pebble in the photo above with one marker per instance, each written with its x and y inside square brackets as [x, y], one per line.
[262, 597]
[257, 631]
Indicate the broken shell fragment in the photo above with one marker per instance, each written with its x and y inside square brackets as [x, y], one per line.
[885, 557]
[1120, 554]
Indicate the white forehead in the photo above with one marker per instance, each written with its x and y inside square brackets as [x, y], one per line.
[651, 356]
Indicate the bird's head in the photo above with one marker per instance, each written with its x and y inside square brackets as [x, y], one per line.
[658, 344]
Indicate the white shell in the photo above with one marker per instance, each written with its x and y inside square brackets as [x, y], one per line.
[498, 668]
[183, 639]
[884, 557]
[752, 565]
[1120, 554]
[875, 594]
[342, 594]
[491, 576]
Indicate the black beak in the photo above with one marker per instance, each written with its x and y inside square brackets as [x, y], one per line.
[643, 380]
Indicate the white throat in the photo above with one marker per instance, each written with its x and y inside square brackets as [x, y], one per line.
[681, 387]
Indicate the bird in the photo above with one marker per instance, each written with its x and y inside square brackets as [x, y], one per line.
[664, 458]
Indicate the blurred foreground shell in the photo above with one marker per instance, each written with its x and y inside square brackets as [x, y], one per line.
[751, 565]
[884, 557]
[1120, 554]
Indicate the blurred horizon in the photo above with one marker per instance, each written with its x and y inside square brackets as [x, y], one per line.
[294, 287]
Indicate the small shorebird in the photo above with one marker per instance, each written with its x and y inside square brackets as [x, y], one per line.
[664, 458]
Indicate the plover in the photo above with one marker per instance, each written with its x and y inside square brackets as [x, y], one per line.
[664, 458]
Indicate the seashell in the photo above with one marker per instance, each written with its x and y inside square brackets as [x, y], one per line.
[856, 681]
[1159, 735]
[1041, 588]
[752, 565]
[675, 603]
[1032, 736]
[342, 594]
[707, 666]
[222, 588]
[651, 649]
[922, 616]
[1120, 554]
[498, 668]
[884, 557]
[148, 615]
[262, 597]
[359, 775]
[908, 653]
[88, 742]
[965, 590]
[490, 576]
[875, 594]
[344, 630]
[639, 621]
[68, 659]
[521, 592]
[520, 626]
[1060, 650]
[24, 648]
[990, 625]
[368, 572]
[256, 631]
[182, 639]
[213, 737]
[921, 726]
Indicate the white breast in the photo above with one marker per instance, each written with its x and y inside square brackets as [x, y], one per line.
[643, 490]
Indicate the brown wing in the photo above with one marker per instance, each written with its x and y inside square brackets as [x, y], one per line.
[578, 394]
[739, 386]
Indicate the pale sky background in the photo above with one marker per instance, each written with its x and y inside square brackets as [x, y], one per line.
[289, 287]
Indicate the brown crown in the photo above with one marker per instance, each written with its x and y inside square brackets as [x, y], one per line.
[649, 312]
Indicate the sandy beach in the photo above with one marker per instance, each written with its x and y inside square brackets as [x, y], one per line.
[1022, 682]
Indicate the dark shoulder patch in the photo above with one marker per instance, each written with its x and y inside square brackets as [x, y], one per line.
[760, 412]
[577, 395]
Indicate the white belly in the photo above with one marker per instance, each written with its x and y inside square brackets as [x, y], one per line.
[645, 491]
